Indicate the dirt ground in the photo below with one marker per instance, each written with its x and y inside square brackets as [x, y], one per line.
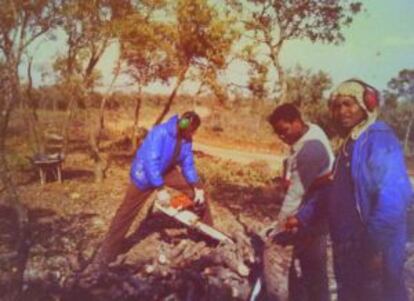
[68, 220]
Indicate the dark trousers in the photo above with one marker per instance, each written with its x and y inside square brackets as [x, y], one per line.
[311, 283]
[358, 280]
[133, 201]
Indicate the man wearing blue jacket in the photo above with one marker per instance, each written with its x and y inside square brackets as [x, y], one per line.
[155, 167]
[367, 200]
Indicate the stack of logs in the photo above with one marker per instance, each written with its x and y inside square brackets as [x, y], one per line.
[190, 268]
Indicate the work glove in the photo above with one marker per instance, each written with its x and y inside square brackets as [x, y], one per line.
[163, 197]
[199, 196]
[291, 224]
[269, 231]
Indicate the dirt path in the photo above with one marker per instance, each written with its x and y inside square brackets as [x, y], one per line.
[245, 157]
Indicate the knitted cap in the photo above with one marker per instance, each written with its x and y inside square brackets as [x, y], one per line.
[353, 89]
[358, 90]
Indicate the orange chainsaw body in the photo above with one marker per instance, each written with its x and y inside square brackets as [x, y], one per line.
[181, 201]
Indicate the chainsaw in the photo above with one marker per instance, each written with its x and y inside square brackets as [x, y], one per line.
[181, 208]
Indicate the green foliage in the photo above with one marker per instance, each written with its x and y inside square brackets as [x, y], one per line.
[202, 32]
[305, 87]
[148, 48]
[194, 34]
[18, 162]
[270, 24]
[218, 172]
[23, 21]
[257, 77]
[89, 27]
[306, 90]
[398, 117]
[402, 86]
[398, 110]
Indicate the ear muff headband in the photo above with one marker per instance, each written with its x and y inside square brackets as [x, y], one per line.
[184, 123]
[370, 96]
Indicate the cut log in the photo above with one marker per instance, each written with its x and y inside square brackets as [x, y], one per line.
[227, 252]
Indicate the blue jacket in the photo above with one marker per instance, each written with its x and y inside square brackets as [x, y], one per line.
[154, 157]
[381, 186]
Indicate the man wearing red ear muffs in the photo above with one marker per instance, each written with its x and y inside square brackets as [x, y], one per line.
[366, 202]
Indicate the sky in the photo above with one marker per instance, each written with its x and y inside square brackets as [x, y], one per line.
[378, 44]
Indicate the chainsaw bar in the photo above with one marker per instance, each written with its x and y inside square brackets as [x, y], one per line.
[192, 220]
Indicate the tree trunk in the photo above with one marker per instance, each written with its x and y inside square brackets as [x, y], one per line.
[138, 102]
[111, 85]
[54, 105]
[102, 114]
[407, 136]
[65, 130]
[94, 141]
[32, 119]
[282, 82]
[18, 264]
[100, 163]
[167, 107]
[274, 56]
[32, 129]
[30, 122]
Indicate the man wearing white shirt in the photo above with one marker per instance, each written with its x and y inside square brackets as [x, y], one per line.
[306, 170]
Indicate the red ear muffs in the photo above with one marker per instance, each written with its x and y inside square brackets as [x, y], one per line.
[370, 98]
[371, 95]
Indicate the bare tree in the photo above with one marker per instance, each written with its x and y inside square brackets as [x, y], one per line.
[196, 36]
[21, 23]
[90, 27]
[269, 24]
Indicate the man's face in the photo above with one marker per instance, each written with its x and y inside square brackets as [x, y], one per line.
[346, 112]
[288, 131]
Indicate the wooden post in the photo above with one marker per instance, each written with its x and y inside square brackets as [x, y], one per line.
[42, 175]
[59, 172]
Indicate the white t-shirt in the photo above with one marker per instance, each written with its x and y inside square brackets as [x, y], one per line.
[310, 158]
